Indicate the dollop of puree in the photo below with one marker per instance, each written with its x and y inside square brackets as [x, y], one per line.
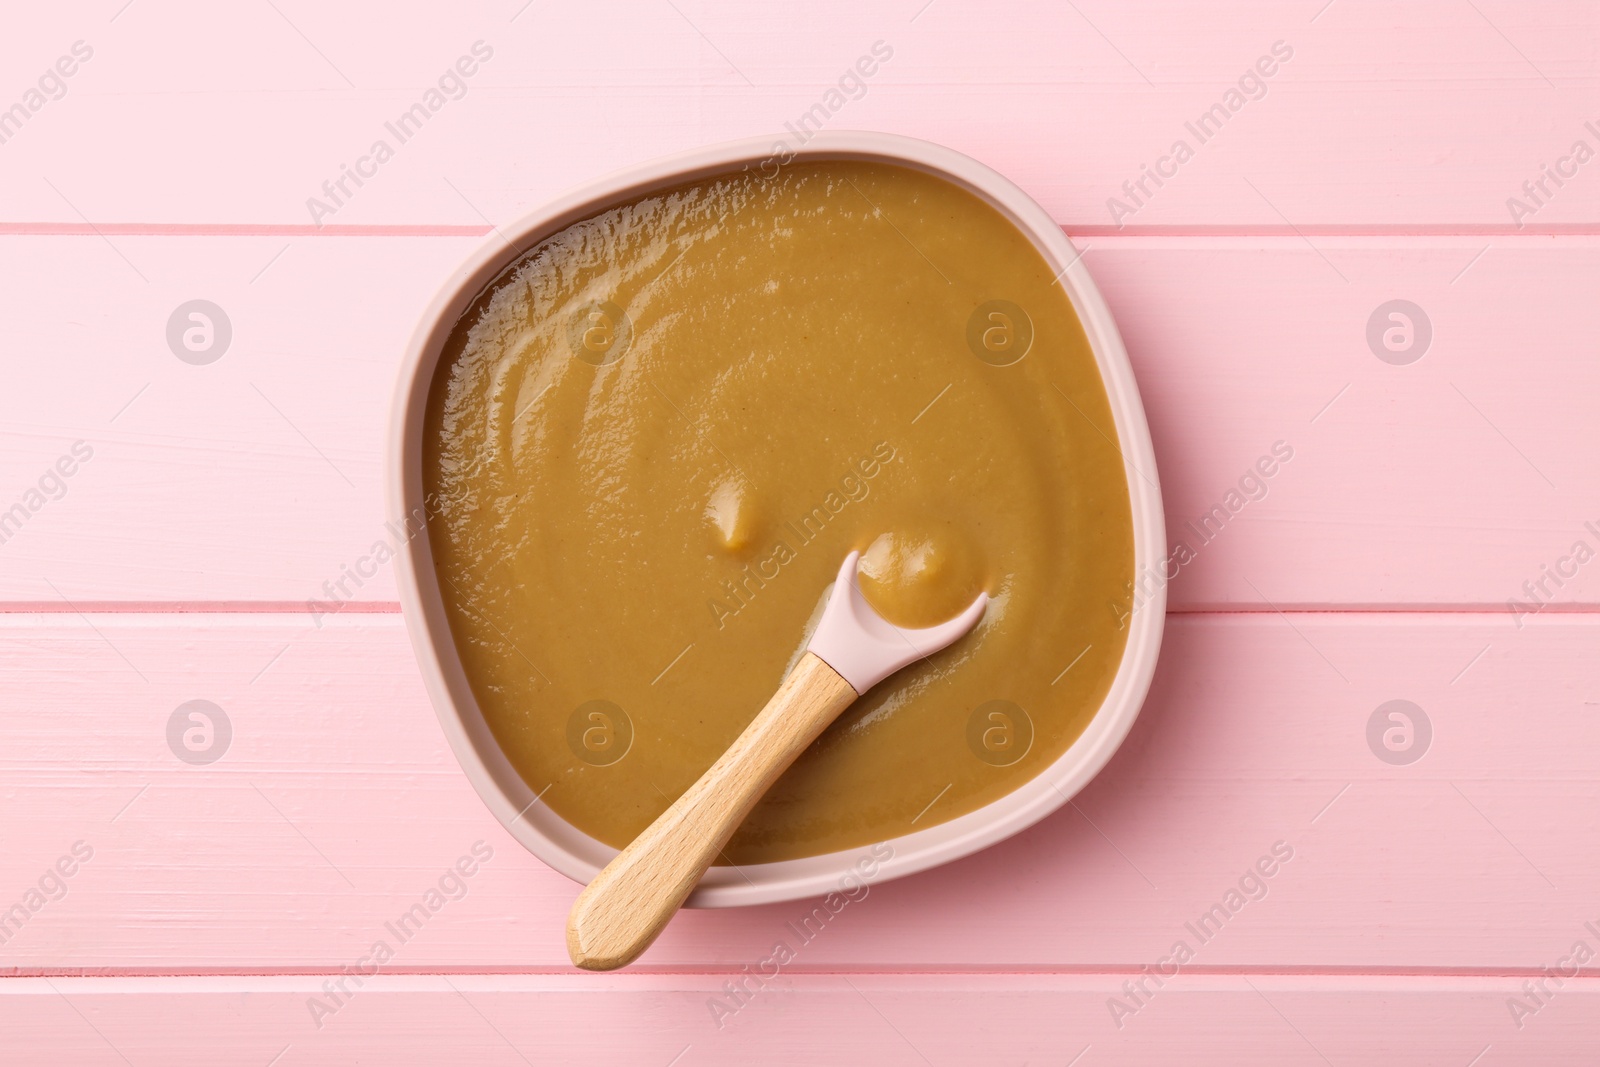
[653, 439]
[734, 514]
[921, 575]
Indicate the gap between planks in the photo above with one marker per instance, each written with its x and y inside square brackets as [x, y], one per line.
[1428, 977]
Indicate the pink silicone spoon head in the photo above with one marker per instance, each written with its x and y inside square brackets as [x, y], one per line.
[864, 647]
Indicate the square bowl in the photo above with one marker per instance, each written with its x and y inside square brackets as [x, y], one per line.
[513, 802]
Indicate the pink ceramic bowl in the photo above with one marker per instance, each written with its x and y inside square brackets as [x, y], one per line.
[580, 856]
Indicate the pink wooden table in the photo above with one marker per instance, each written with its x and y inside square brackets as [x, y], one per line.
[166, 521]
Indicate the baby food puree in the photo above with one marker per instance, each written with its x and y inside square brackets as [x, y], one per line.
[653, 438]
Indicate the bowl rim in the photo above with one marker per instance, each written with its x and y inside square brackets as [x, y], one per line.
[511, 800]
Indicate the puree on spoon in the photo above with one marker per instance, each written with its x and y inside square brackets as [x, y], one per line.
[652, 439]
[920, 575]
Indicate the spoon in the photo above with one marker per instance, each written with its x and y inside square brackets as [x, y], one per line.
[853, 649]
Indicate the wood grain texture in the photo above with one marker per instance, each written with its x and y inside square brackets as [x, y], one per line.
[1383, 162]
[338, 806]
[910, 1020]
[1431, 115]
[1448, 482]
[629, 903]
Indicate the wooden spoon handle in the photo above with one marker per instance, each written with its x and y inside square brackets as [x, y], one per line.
[630, 902]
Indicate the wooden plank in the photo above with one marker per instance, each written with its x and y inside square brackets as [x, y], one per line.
[337, 807]
[1449, 481]
[890, 1019]
[190, 461]
[1390, 158]
[1430, 115]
